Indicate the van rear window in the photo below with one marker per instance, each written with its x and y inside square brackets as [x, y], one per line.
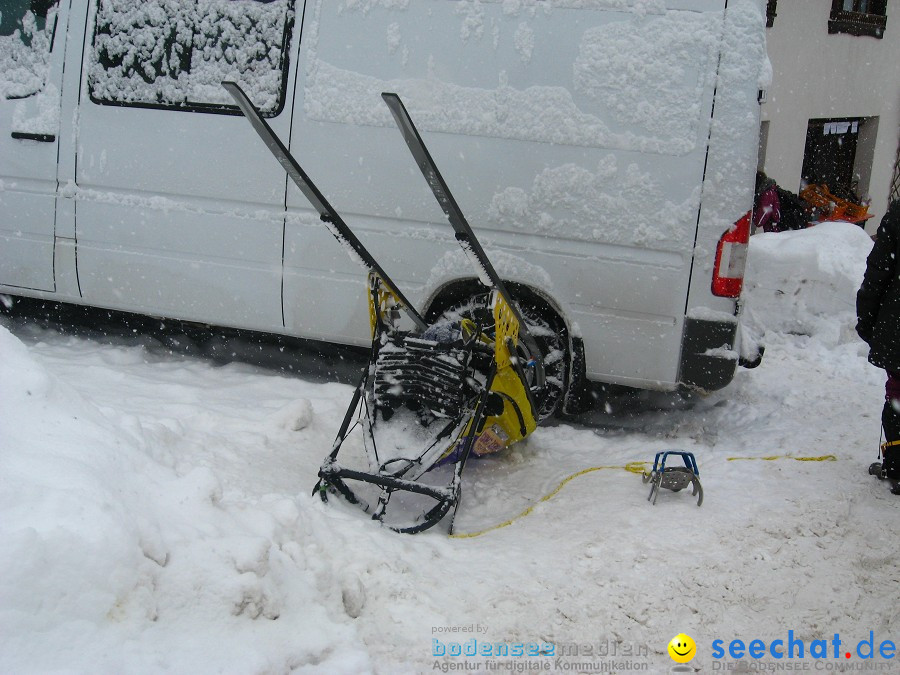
[175, 54]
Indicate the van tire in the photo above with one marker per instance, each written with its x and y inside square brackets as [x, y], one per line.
[549, 332]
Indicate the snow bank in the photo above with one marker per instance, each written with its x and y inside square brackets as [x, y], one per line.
[805, 281]
[112, 546]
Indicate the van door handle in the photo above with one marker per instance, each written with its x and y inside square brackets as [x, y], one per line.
[27, 136]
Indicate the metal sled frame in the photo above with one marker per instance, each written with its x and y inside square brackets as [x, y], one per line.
[674, 478]
[457, 436]
[504, 376]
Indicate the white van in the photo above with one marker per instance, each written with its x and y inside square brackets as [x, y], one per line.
[603, 150]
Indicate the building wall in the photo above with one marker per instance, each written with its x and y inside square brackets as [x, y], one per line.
[817, 75]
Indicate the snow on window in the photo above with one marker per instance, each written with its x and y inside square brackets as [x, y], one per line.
[176, 53]
[24, 49]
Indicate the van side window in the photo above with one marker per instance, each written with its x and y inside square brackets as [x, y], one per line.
[25, 43]
[175, 53]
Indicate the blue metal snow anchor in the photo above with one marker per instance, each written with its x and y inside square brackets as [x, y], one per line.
[674, 478]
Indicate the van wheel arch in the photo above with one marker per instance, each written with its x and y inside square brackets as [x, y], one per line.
[541, 313]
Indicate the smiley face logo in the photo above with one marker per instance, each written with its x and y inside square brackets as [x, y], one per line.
[682, 648]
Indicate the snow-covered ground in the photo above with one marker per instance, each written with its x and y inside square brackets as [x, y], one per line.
[155, 513]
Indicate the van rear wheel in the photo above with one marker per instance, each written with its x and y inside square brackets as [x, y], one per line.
[550, 339]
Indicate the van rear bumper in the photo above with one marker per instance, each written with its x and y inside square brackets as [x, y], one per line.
[709, 357]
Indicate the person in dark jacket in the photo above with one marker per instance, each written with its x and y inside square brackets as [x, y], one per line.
[878, 314]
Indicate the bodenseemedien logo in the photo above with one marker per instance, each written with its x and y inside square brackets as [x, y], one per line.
[682, 648]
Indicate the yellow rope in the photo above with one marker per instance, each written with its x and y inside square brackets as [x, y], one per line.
[769, 458]
[632, 467]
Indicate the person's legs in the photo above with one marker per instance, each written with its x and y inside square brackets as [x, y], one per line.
[890, 421]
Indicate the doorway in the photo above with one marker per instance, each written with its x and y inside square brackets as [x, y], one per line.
[838, 153]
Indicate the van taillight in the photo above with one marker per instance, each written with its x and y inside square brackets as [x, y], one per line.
[731, 257]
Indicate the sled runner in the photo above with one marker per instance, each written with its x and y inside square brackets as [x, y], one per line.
[431, 396]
